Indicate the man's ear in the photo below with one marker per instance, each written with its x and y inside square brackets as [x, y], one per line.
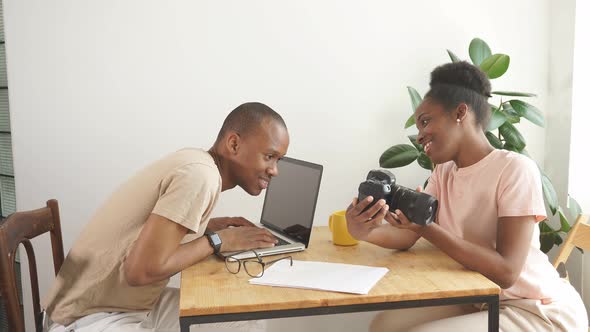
[233, 142]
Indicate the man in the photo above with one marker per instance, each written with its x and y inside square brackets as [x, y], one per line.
[114, 277]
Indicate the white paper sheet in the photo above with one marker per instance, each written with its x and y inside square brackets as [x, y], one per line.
[346, 278]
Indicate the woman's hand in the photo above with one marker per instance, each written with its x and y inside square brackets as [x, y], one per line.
[359, 223]
[399, 220]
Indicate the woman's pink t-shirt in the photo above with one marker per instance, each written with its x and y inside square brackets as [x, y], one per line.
[502, 184]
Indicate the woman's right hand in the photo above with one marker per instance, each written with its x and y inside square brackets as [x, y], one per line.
[359, 223]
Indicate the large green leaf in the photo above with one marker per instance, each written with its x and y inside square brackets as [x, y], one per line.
[549, 194]
[509, 147]
[414, 140]
[545, 228]
[510, 113]
[496, 120]
[528, 112]
[416, 100]
[513, 94]
[495, 65]
[453, 57]
[565, 225]
[513, 119]
[547, 241]
[410, 122]
[478, 51]
[398, 156]
[558, 239]
[415, 97]
[512, 136]
[425, 162]
[548, 236]
[574, 207]
[509, 110]
[494, 140]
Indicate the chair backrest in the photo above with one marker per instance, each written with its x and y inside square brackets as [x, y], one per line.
[579, 236]
[19, 228]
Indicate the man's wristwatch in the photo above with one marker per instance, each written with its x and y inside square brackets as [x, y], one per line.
[214, 241]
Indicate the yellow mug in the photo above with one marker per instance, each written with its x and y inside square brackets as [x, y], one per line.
[340, 235]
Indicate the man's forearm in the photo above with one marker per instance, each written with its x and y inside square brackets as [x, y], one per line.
[185, 256]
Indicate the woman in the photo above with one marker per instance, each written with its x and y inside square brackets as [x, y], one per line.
[489, 204]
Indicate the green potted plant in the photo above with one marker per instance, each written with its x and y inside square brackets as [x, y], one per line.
[502, 133]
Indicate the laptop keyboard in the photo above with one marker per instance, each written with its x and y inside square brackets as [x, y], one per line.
[281, 242]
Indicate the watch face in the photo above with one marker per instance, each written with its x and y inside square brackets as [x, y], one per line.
[215, 238]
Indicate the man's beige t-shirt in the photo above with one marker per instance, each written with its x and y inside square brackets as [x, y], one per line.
[183, 187]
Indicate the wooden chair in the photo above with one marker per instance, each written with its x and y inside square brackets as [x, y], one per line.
[579, 236]
[19, 228]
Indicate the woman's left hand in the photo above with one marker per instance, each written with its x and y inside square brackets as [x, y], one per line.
[399, 220]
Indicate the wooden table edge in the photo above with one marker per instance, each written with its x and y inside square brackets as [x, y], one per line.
[364, 300]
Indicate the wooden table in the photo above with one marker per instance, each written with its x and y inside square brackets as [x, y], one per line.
[422, 276]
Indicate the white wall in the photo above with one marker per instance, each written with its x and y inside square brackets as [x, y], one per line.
[99, 89]
[579, 179]
[559, 112]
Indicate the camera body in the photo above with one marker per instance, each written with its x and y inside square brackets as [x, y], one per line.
[419, 208]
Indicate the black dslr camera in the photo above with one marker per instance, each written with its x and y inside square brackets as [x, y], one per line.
[419, 208]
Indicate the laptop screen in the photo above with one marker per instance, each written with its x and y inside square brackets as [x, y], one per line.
[291, 197]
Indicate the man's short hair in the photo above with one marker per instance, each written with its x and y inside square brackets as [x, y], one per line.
[245, 118]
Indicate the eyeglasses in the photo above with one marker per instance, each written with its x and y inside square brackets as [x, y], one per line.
[254, 268]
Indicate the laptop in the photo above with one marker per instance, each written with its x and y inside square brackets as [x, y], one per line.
[289, 207]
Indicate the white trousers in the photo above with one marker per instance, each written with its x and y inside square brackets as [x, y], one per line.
[567, 314]
[163, 318]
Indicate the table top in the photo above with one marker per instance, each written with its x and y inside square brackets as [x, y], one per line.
[423, 272]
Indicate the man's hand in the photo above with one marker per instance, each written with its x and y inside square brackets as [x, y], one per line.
[245, 238]
[217, 224]
[157, 253]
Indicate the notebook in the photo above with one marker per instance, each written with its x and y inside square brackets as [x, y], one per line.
[289, 207]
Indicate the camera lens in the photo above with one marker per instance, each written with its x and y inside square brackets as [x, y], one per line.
[419, 208]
